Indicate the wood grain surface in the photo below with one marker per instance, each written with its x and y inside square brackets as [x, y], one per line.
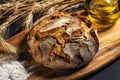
[109, 51]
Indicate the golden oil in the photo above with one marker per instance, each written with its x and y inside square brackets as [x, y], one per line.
[102, 13]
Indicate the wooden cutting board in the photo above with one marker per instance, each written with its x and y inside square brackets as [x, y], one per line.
[109, 50]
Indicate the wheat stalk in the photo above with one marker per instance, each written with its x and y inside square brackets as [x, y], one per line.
[30, 12]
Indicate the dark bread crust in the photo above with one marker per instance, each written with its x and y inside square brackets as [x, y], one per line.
[65, 41]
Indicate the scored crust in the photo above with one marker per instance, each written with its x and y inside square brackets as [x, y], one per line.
[63, 41]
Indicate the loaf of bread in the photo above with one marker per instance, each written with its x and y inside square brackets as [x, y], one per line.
[63, 41]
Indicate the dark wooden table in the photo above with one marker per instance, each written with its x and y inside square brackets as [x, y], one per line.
[110, 72]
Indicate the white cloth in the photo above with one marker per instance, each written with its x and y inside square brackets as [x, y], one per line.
[13, 70]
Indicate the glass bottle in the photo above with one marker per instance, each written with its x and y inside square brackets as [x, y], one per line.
[102, 13]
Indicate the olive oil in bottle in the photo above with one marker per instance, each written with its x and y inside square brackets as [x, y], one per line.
[102, 13]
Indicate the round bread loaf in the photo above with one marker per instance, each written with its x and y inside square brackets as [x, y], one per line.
[63, 41]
